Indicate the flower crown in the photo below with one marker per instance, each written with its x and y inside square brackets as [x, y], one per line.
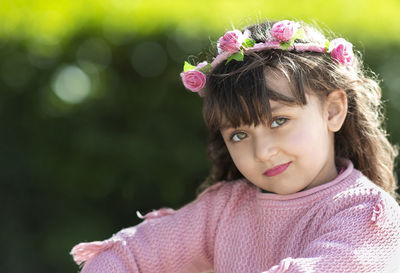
[283, 35]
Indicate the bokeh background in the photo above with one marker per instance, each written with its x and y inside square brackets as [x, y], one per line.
[95, 124]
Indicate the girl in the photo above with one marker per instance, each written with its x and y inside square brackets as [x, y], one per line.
[304, 168]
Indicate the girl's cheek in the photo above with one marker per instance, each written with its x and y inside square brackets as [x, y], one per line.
[234, 152]
[240, 156]
[301, 138]
[297, 136]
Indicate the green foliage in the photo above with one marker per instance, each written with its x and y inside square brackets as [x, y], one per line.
[298, 35]
[76, 172]
[327, 45]
[51, 22]
[248, 42]
[187, 66]
[238, 56]
[285, 45]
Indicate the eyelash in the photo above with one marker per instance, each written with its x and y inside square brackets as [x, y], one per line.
[235, 134]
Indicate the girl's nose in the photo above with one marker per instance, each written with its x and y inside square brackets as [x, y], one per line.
[264, 148]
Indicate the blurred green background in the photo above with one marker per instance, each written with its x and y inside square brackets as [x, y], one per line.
[96, 125]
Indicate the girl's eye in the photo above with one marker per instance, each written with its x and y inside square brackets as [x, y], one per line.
[278, 122]
[236, 137]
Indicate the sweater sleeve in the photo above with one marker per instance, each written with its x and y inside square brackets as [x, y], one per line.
[167, 241]
[361, 236]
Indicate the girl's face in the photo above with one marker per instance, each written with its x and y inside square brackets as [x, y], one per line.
[295, 150]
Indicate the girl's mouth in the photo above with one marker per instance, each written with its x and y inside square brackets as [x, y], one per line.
[277, 169]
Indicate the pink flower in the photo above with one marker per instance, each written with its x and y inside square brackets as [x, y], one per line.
[231, 41]
[193, 80]
[341, 51]
[284, 30]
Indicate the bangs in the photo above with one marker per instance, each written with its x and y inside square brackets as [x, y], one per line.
[239, 93]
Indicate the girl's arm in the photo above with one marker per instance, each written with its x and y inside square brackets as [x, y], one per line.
[167, 241]
[362, 236]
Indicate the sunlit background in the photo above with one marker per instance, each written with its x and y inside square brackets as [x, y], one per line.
[96, 125]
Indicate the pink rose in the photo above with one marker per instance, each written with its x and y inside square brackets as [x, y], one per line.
[284, 30]
[341, 51]
[193, 80]
[231, 41]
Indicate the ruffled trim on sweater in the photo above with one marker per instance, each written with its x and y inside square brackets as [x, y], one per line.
[83, 252]
[377, 213]
[156, 213]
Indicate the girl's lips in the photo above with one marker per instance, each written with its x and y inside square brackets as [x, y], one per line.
[277, 169]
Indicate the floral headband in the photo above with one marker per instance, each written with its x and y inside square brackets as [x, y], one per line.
[234, 43]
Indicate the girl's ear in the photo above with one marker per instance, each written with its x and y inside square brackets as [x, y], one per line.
[336, 109]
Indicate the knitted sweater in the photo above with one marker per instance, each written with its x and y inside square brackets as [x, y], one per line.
[346, 225]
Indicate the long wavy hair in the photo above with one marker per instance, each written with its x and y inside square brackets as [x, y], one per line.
[237, 93]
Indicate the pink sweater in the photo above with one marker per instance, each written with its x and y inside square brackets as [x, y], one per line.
[346, 225]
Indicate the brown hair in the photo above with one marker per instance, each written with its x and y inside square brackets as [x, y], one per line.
[238, 93]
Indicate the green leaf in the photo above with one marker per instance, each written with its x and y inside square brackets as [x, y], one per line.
[238, 56]
[205, 69]
[286, 45]
[327, 44]
[187, 66]
[248, 42]
[299, 34]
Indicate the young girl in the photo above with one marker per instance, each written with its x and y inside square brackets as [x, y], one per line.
[302, 177]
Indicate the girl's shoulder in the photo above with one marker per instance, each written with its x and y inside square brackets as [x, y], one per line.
[363, 194]
[362, 188]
